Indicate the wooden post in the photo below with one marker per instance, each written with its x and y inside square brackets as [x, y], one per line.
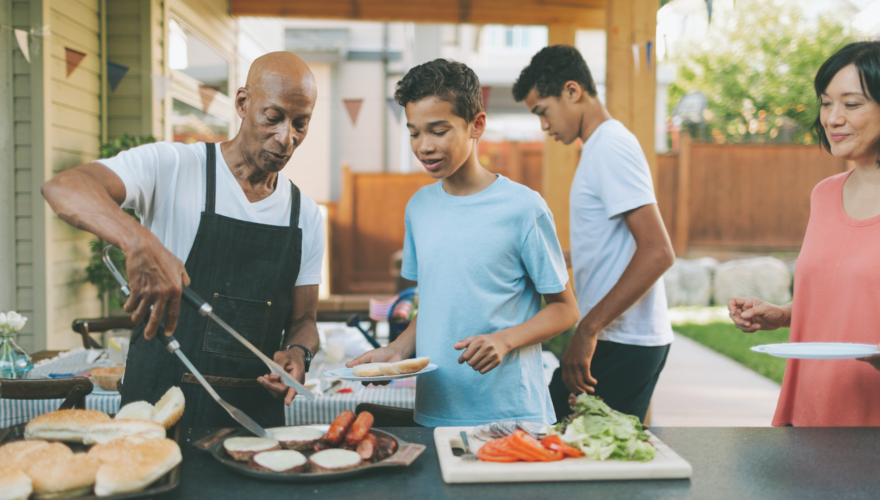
[342, 256]
[630, 93]
[683, 196]
[560, 161]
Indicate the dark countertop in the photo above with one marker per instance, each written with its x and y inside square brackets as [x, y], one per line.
[797, 463]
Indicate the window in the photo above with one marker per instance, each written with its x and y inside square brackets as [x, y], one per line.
[190, 125]
[515, 38]
[192, 56]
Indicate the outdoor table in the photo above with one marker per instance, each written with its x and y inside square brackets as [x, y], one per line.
[776, 463]
[321, 411]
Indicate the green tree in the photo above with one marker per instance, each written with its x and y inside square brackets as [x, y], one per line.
[756, 68]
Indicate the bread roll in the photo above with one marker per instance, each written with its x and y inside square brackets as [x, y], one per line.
[115, 449]
[334, 460]
[137, 463]
[243, 448]
[390, 369]
[14, 484]
[11, 452]
[413, 365]
[288, 461]
[64, 425]
[43, 454]
[369, 369]
[63, 476]
[101, 433]
[296, 438]
[138, 410]
[169, 409]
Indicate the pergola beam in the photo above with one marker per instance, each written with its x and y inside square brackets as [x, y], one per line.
[582, 14]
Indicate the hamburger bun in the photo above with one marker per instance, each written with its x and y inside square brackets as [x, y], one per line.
[369, 369]
[138, 410]
[64, 425]
[115, 450]
[334, 460]
[296, 438]
[169, 409]
[12, 452]
[243, 448]
[14, 484]
[287, 461]
[63, 476]
[413, 365]
[102, 433]
[137, 463]
[50, 452]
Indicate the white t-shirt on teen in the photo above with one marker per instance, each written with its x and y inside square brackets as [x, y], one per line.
[165, 185]
[613, 177]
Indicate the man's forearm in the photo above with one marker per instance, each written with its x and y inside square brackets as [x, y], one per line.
[85, 204]
[646, 267]
[304, 333]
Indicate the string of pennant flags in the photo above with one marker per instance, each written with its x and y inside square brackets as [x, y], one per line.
[115, 71]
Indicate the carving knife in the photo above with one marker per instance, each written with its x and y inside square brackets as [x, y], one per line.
[205, 309]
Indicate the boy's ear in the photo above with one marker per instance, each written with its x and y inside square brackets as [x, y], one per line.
[572, 91]
[479, 125]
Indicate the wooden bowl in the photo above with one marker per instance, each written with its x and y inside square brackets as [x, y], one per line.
[106, 378]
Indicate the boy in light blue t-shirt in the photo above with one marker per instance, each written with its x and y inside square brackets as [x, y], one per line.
[483, 250]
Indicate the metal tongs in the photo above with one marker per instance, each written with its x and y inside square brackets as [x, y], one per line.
[173, 346]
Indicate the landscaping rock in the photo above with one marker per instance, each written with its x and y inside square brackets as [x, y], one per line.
[764, 278]
[689, 282]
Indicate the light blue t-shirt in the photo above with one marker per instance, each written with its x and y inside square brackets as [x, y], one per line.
[482, 263]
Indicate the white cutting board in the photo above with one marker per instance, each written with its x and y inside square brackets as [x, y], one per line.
[666, 465]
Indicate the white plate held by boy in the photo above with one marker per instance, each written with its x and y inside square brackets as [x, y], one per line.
[818, 350]
[348, 374]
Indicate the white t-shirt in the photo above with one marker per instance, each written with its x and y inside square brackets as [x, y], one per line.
[613, 177]
[165, 185]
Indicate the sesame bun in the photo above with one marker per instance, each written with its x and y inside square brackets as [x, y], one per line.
[137, 464]
[107, 431]
[14, 484]
[169, 409]
[64, 425]
[369, 369]
[413, 365]
[12, 452]
[137, 410]
[63, 476]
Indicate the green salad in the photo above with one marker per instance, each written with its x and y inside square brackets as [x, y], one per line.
[603, 433]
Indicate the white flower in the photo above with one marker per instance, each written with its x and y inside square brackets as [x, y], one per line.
[19, 325]
[2, 319]
[12, 318]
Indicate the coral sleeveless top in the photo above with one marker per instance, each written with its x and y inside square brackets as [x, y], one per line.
[836, 299]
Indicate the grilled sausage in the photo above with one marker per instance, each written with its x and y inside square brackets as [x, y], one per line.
[366, 447]
[339, 427]
[385, 447]
[359, 429]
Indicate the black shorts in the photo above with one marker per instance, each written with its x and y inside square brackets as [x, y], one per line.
[626, 376]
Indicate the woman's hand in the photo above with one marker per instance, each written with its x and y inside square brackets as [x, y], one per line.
[751, 315]
[482, 352]
[874, 360]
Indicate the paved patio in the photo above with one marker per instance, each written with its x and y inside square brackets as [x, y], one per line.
[701, 388]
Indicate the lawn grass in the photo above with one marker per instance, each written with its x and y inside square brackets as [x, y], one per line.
[726, 339]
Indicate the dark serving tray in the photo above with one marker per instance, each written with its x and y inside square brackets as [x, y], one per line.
[405, 455]
[165, 483]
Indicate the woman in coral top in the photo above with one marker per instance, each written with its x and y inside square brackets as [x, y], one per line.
[837, 282]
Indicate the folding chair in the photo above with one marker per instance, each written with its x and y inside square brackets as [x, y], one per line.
[98, 325]
[74, 390]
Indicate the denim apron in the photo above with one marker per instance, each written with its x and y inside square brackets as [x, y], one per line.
[247, 272]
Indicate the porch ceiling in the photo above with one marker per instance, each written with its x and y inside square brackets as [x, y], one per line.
[584, 14]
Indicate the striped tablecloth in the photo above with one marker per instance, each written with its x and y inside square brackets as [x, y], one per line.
[321, 411]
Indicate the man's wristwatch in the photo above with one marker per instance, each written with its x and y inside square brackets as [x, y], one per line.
[306, 351]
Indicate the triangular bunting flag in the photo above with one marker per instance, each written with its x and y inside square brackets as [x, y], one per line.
[709, 8]
[486, 91]
[396, 109]
[74, 58]
[635, 49]
[115, 74]
[649, 44]
[207, 94]
[161, 86]
[21, 36]
[353, 106]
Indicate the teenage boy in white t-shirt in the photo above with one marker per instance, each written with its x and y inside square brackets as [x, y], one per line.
[619, 246]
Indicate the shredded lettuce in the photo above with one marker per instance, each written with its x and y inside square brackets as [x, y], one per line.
[603, 433]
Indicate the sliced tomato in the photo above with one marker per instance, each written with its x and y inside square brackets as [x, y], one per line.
[555, 443]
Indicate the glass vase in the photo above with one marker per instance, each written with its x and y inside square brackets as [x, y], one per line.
[14, 361]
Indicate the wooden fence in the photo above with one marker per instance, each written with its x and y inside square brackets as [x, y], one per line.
[740, 196]
[743, 197]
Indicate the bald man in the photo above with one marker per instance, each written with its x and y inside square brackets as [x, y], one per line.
[225, 221]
